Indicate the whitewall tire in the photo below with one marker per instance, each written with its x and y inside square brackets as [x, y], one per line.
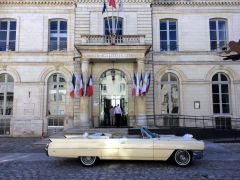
[88, 160]
[182, 158]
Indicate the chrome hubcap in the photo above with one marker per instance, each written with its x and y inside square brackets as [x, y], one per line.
[182, 157]
[88, 160]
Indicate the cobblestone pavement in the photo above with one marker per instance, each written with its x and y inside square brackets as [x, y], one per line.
[24, 158]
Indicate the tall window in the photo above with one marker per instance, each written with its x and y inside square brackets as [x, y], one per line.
[56, 99]
[7, 35]
[113, 25]
[220, 94]
[58, 35]
[170, 94]
[6, 94]
[6, 103]
[168, 35]
[218, 33]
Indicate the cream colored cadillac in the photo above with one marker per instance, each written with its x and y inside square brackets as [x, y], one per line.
[90, 148]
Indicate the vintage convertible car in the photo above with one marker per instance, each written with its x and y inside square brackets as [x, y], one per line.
[150, 146]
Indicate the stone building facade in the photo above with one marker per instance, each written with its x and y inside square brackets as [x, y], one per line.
[43, 42]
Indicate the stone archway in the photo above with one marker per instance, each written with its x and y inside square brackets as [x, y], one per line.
[113, 91]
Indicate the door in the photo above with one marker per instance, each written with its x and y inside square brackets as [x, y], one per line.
[107, 106]
[136, 149]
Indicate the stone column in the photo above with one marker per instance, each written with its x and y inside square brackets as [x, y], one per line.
[84, 101]
[140, 100]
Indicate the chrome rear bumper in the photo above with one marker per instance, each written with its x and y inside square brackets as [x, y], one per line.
[46, 150]
[197, 154]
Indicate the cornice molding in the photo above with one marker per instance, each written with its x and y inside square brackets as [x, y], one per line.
[196, 2]
[101, 1]
[38, 2]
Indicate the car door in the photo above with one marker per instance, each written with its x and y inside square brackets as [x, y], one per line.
[136, 149]
[163, 148]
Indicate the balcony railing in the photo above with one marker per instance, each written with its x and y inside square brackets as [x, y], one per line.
[119, 39]
[5, 47]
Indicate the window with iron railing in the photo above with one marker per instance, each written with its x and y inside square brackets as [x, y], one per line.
[218, 34]
[168, 35]
[7, 35]
[58, 35]
[113, 26]
[223, 123]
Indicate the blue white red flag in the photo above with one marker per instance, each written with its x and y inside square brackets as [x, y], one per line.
[81, 93]
[72, 93]
[90, 86]
[140, 84]
[112, 3]
[145, 84]
[104, 9]
[149, 80]
[120, 5]
[134, 85]
[137, 87]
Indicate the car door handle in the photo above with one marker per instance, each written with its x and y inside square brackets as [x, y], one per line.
[123, 142]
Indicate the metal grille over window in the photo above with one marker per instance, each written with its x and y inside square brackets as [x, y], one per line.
[168, 35]
[58, 35]
[218, 34]
[7, 35]
[6, 103]
[56, 100]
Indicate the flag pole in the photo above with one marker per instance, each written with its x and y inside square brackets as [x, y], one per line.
[117, 19]
[112, 20]
[108, 23]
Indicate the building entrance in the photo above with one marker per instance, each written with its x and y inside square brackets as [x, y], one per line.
[113, 92]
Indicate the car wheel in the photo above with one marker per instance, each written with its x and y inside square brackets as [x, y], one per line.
[88, 160]
[182, 158]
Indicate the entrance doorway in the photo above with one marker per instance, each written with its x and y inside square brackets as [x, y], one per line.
[113, 92]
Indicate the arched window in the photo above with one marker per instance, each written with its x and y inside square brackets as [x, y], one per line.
[170, 94]
[7, 35]
[113, 25]
[56, 99]
[58, 35]
[218, 33]
[6, 102]
[168, 35]
[220, 94]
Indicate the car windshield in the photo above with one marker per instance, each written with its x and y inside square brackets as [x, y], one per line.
[146, 133]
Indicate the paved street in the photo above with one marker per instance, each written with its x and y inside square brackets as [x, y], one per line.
[24, 158]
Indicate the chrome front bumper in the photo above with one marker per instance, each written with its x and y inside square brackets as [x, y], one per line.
[197, 154]
[46, 150]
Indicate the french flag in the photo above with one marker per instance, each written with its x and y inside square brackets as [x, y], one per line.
[72, 91]
[140, 85]
[112, 3]
[145, 84]
[148, 84]
[134, 85]
[90, 86]
[81, 86]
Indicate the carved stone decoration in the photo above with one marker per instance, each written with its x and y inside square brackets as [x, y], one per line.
[196, 2]
[58, 66]
[233, 51]
[37, 2]
[3, 67]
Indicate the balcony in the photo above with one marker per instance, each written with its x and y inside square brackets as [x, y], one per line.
[113, 40]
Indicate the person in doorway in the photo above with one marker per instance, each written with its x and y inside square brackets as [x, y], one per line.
[118, 115]
[112, 116]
